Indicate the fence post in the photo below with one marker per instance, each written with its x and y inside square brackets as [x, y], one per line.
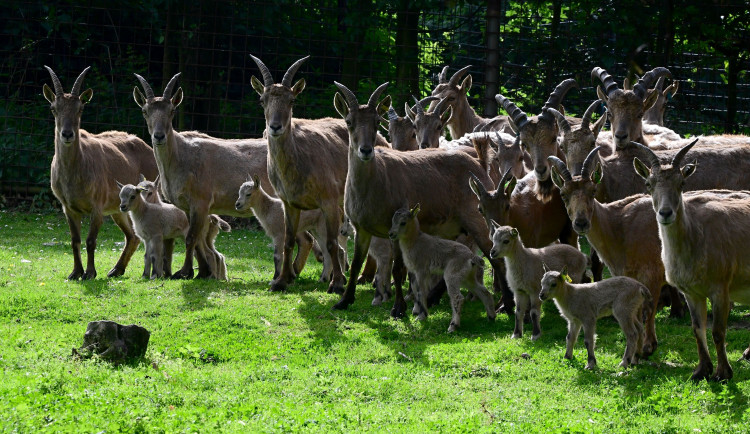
[492, 60]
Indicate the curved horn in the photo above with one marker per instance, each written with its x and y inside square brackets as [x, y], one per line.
[562, 123]
[677, 159]
[56, 82]
[653, 160]
[373, 101]
[424, 102]
[589, 113]
[647, 80]
[557, 95]
[443, 76]
[588, 163]
[516, 114]
[168, 89]
[417, 108]
[146, 87]
[440, 107]
[659, 84]
[458, 75]
[562, 169]
[351, 100]
[606, 79]
[79, 81]
[392, 115]
[506, 177]
[267, 77]
[289, 75]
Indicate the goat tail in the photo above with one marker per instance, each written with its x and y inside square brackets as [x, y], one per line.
[648, 303]
[218, 221]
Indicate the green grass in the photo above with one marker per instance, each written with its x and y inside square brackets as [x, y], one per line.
[231, 356]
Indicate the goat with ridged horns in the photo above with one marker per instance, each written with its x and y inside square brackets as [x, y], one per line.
[83, 171]
[381, 181]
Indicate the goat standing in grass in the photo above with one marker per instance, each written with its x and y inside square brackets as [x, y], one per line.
[82, 173]
[426, 255]
[582, 304]
[524, 270]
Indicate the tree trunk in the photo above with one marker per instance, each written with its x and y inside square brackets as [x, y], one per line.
[407, 53]
[553, 55]
[492, 59]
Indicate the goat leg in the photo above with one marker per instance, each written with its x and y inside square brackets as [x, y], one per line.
[361, 246]
[291, 223]
[399, 272]
[333, 217]
[720, 305]
[94, 225]
[698, 316]
[74, 224]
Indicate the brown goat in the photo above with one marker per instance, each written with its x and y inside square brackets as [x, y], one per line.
[381, 181]
[199, 174]
[704, 242]
[83, 171]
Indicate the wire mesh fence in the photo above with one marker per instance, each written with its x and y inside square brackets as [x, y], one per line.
[519, 49]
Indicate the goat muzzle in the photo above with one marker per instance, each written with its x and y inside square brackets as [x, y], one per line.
[581, 225]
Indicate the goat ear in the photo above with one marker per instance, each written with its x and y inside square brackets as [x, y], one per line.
[414, 211]
[384, 105]
[671, 91]
[177, 98]
[493, 226]
[446, 116]
[157, 180]
[141, 178]
[600, 93]
[256, 181]
[565, 276]
[545, 267]
[510, 186]
[339, 103]
[298, 87]
[514, 232]
[49, 95]
[651, 98]
[409, 113]
[86, 95]
[689, 169]
[641, 169]
[599, 124]
[561, 109]
[138, 96]
[476, 187]
[466, 85]
[596, 175]
[257, 85]
[119, 185]
[556, 178]
[626, 84]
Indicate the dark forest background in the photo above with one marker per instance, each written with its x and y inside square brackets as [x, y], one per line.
[519, 48]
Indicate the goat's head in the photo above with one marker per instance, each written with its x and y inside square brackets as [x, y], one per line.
[577, 192]
[451, 91]
[67, 107]
[361, 120]
[149, 189]
[128, 194]
[277, 100]
[539, 133]
[248, 189]
[494, 205]
[402, 220]
[577, 143]
[429, 124]
[504, 239]
[626, 107]
[552, 282]
[158, 110]
[665, 182]
[347, 228]
[401, 132]
[655, 115]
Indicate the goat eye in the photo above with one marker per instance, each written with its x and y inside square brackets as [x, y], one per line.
[506, 241]
[554, 284]
[403, 223]
[439, 128]
[480, 209]
[414, 135]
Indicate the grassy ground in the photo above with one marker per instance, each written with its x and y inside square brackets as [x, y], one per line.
[230, 356]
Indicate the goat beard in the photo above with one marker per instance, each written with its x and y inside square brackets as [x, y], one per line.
[544, 189]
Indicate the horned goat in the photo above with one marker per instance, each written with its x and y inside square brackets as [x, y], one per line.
[464, 119]
[83, 169]
[524, 270]
[401, 130]
[582, 304]
[199, 174]
[270, 214]
[426, 256]
[704, 248]
[380, 181]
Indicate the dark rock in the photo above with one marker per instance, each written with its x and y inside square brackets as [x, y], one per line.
[113, 342]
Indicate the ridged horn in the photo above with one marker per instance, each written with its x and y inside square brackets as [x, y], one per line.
[417, 108]
[267, 77]
[562, 169]
[516, 114]
[506, 177]
[146, 87]
[677, 159]
[424, 102]
[351, 100]
[562, 123]
[79, 81]
[170, 86]
[458, 75]
[392, 115]
[589, 113]
[289, 75]
[606, 79]
[440, 107]
[443, 76]
[55, 82]
[557, 95]
[373, 101]
[588, 163]
[647, 81]
[653, 160]
[659, 84]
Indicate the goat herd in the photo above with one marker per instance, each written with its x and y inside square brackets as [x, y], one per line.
[516, 187]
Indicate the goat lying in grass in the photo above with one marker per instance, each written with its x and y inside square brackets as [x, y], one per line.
[626, 299]
[524, 270]
[270, 213]
[426, 255]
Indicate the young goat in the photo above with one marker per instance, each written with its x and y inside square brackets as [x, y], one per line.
[581, 305]
[524, 271]
[270, 213]
[426, 255]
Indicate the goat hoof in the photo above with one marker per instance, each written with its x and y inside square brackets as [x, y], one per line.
[535, 337]
[114, 272]
[75, 275]
[277, 286]
[452, 328]
[344, 303]
[516, 336]
[398, 310]
[590, 366]
[506, 309]
[648, 349]
[377, 300]
[722, 375]
[335, 289]
[701, 373]
[91, 275]
[491, 317]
